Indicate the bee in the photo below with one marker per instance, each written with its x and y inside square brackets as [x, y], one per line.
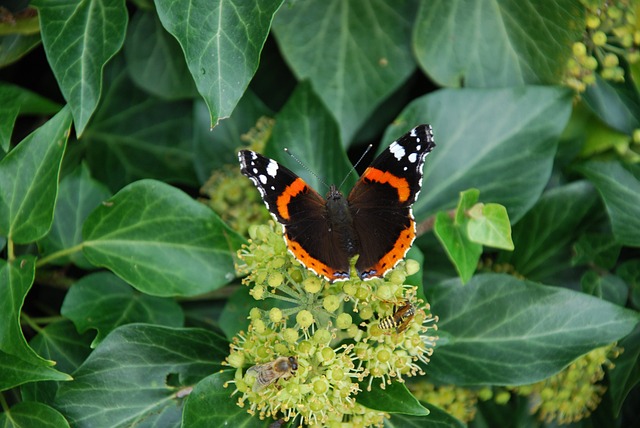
[267, 373]
[400, 319]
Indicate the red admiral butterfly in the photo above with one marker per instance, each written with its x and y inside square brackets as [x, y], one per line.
[375, 221]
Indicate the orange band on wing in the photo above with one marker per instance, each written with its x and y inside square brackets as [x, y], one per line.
[400, 184]
[399, 250]
[291, 191]
[313, 264]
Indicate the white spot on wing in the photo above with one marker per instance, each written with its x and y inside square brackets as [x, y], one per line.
[397, 150]
[272, 168]
[263, 179]
[413, 157]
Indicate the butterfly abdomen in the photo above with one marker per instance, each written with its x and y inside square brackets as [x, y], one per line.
[340, 221]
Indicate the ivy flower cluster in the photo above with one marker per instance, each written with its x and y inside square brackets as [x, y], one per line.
[330, 341]
[611, 34]
[575, 392]
[233, 198]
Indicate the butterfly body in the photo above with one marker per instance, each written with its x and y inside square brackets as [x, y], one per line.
[374, 221]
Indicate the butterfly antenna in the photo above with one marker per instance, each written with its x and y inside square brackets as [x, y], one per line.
[353, 168]
[305, 167]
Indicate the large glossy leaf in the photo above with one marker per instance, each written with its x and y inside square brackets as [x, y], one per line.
[161, 241]
[32, 414]
[221, 42]
[154, 59]
[395, 398]
[29, 177]
[210, 394]
[496, 44]
[500, 141]
[354, 53]
[59, 342]
[543, 237]
[104, 302]
[616, 104]
[140, 373]
[79, 38]
[17, 100]
[302, 126]
[498, 330]
[134, 135]
[620, 190]
[78, 195]
[18, 362]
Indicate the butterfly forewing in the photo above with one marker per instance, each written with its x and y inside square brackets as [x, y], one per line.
[381, 202]
[302, 212]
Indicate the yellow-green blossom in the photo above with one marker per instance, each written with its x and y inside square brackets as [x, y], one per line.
[575, 392]
[332, 329]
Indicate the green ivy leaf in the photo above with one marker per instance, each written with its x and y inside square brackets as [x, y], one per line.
[303, 125]
[18, 362]
[620, 191]
[616, 104]
[485, 139]
[154, 59]
[437, 418]
[79, 38]
[161, 241]
[59, 342]
[543, 237]
[626, 373]
[596, 248]
[78, 195]
[629, 271]
[134, 135]
[15, 371]
[498, 44]
[355, 53]
[605, 286]
[15, 46]
[221, 43]
[32, 414]
[210, 394]
[463, 253]
[489, 225]
[15, 101]
[29, 177]
[140, 372]
[499, 330]
[103, 302]
[395, 398]
[467, 200]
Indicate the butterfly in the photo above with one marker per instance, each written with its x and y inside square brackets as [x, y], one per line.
[374, 221]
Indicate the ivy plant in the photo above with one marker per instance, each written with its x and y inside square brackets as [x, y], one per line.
[143, 283]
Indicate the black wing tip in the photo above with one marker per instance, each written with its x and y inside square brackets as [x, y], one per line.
[424, 131]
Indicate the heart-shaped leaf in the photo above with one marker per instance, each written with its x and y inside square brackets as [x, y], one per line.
[161, 241]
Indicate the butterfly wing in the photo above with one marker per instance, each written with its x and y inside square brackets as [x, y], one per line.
[302, 213]
[381, 201]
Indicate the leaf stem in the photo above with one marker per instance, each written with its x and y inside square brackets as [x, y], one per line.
[59, 254]
[30, 322]
[10, 252]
